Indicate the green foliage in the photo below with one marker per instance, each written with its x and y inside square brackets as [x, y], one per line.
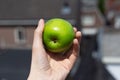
[101, 6]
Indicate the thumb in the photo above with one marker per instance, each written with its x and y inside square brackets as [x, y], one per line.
[39, 57]
[37, 42]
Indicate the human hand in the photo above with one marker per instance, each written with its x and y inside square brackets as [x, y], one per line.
[48, 66]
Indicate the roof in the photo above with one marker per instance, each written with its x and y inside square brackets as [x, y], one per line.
[12, 13]
[15, 64]
[34, 9]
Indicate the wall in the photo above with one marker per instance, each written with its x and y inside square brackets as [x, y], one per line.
[7, 37]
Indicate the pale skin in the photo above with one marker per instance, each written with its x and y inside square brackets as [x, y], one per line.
[50, 66]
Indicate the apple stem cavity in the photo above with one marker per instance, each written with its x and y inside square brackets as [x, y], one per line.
[54, 39]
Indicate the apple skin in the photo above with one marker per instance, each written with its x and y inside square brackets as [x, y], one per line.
[58, 35]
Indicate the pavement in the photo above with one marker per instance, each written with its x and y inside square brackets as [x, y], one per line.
[111, 46]
[111, 52]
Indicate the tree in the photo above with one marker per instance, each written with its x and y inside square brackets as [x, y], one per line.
[101, 6]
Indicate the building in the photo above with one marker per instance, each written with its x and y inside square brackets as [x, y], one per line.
[92, 21]
[91, 18]
[17, 22]
[18, 25]
[112, 13]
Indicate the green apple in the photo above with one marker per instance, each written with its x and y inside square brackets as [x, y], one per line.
[58, 35]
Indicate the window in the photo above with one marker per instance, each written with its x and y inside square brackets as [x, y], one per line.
[90, 2]
[65, 10]
[88, 20]
[20, 35]
[117, 22]
[110, 15]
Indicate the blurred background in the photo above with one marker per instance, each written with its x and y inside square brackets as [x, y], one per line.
[98, 20]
